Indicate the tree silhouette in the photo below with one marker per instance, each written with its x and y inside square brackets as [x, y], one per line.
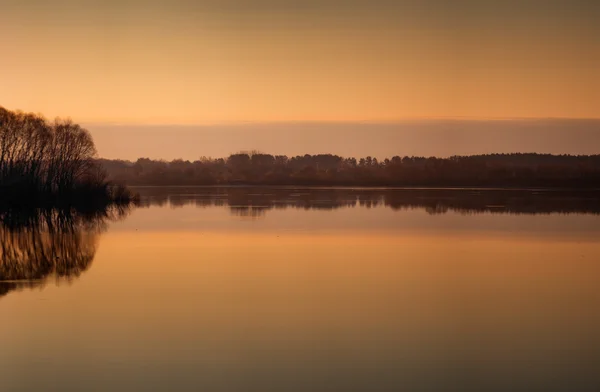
[42, 161]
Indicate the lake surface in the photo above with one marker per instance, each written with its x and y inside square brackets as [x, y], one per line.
[283, 289]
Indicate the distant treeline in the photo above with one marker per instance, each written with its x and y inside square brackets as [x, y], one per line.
[50, 162]
[493, 170]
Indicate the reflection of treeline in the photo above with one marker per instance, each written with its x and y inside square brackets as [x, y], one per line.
[38, 244]
[43, 161]
[255, 201]
[514, 170]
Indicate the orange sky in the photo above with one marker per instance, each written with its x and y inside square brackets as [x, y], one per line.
[207, 62]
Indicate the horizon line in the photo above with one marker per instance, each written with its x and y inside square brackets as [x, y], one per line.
[339, 122]
[249, 152]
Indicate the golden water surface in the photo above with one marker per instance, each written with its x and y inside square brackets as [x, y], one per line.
[214, 297]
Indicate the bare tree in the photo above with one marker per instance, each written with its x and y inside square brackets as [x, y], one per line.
[41, 159]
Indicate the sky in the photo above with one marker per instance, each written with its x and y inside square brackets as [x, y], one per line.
[438, 137]
[131, 66]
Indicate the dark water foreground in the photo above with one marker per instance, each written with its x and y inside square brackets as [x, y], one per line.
[272, 289]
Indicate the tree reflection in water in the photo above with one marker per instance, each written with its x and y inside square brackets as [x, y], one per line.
[255, 202]
[43, 244]
[39, 245]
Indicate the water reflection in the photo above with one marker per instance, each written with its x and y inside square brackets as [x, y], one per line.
[38, 245]
[256, 202]
[357, 299]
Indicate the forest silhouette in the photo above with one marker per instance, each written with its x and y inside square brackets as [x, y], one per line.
[494, 170]
[43, 162]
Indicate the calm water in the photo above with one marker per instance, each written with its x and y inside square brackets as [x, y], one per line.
[207, 289]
